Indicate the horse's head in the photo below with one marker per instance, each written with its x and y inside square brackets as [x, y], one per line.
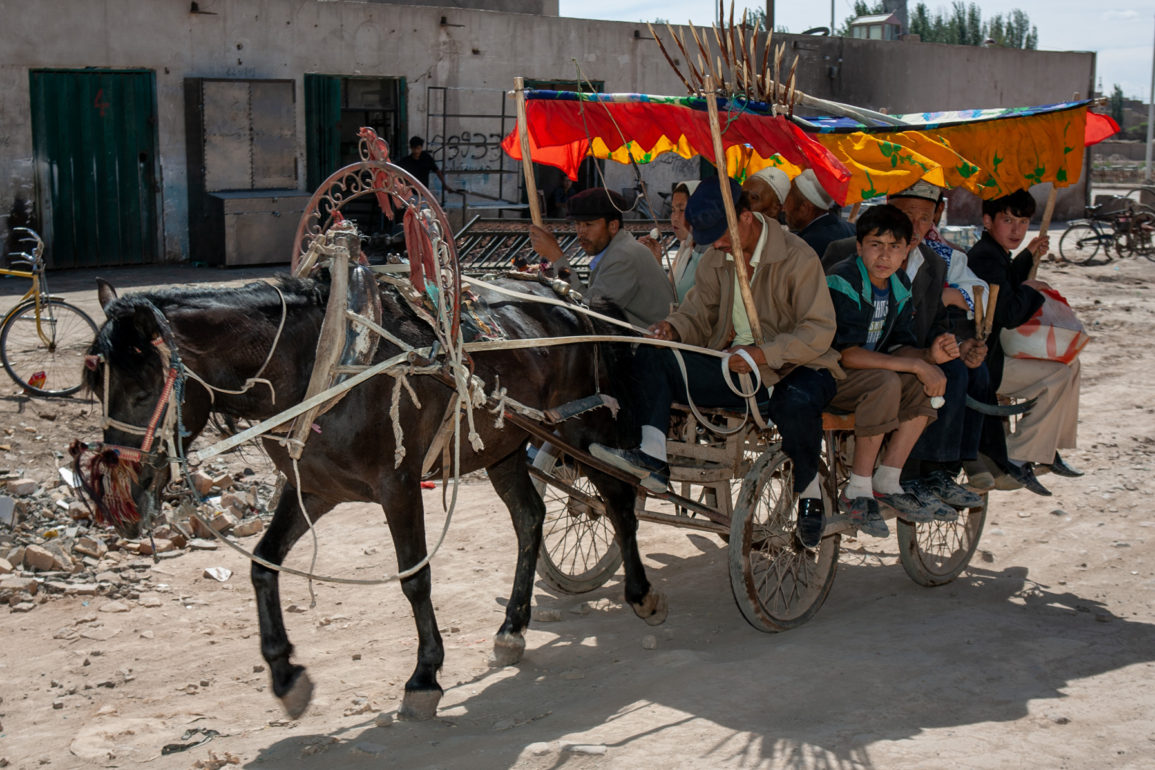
[130, 369]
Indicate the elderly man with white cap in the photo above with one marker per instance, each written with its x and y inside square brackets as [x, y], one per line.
[808, 213]
[767, 190]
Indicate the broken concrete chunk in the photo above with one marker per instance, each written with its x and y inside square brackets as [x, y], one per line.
[250, 527]
[91, 546]
[22, 487]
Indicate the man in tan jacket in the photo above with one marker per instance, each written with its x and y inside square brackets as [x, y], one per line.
[795, 361]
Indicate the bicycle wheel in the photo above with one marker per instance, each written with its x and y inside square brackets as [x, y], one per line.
[1141, 236]
[43, 347]
[1080, 243]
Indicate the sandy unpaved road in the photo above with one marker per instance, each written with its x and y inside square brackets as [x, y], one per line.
[1042, 655]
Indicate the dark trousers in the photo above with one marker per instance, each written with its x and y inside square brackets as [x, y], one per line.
[795, 405]
[954, 436]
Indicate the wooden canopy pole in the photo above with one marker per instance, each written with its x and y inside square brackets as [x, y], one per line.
[1045, 225]
[526, 162]
[731, 217]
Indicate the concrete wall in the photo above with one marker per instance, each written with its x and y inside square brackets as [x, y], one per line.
[540, 7]
[476, 54]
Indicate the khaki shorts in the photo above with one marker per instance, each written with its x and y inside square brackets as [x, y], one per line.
[881, 399]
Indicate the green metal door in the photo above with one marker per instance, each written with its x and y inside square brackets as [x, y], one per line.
[94, 140]
[322, 128]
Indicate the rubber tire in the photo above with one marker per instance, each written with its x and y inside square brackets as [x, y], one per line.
[939, 567]
[763, 512]
[73, 325]
[579, 552]
[1080, 244]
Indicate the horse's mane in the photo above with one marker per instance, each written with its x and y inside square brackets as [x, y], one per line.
[124, 344]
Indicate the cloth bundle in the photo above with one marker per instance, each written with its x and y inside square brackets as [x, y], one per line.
[1053, 333]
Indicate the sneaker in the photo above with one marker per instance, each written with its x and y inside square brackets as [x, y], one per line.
[1024, 475]
[1060, 468]
[939, 511]
[909, 507]
[864, 514]
[943, 486]
[653, 473]
[979, 477]
[810, 522]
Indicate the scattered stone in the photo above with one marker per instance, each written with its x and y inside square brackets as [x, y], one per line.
[22, 487]
[5, 566]
[649, 642]
[249, 527]
[1058, 512]
[546, 615]
[221, 521]
[383, 720]
[988, 557]
[295, 608]
[40, 559]
[539, 749]
[79, 511]
[12, 584]
[114, 607]
[91, 546]
[220, 574]
[223, 481]
[202, 482]
[8, 515]
[155, 545]
[24, 606]
[1061, 720]
[150, 600]
[372, 749]
[587, 749]
[200, 544]
[356, 656]
[57, 704]
[81, 589]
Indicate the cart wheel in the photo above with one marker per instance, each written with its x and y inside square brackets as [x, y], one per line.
[777, 583]
[578, 550]
[935, 553]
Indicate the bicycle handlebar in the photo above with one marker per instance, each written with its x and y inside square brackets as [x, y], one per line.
[35, 259]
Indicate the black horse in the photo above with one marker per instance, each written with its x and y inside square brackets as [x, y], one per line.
[224, 335]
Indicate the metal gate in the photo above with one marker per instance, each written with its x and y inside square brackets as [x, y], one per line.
[94, 141]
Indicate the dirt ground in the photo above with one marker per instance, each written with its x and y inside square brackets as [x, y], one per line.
[1042, 654]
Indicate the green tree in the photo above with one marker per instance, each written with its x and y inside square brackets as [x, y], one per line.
[962, 24]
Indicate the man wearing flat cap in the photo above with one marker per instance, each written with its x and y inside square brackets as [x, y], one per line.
[622, 271]
[807, 208]
[796, 317]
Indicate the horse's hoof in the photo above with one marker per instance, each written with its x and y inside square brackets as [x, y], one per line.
[507, 650]
[653, 609]
[419, 705]
[296, 700]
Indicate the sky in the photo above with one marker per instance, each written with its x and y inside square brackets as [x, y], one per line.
[1122, 32]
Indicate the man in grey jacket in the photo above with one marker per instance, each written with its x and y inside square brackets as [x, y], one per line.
[622, 271]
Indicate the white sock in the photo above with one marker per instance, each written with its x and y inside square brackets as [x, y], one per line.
[813, 490]
[858, 486]
[654, 442]
[886, 480]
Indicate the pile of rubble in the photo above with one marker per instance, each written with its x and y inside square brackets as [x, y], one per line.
[50, 547]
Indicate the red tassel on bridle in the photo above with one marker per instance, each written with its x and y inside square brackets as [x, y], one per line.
[108, 483]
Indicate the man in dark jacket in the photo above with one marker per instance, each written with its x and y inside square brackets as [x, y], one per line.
[807, 209]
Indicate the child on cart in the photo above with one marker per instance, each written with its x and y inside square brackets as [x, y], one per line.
[889, 379]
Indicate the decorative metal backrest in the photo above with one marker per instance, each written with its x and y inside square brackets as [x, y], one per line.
[428, 237]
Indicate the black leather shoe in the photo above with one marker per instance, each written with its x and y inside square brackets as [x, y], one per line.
[810, 522]
[1060, 468]
[1025, 475]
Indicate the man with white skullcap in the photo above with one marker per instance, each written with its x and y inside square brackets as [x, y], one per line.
[808, 213]
[767, 190]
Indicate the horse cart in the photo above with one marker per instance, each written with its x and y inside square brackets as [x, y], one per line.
[739, 487]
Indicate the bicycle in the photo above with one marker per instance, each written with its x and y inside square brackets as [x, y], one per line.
[43, 339]
[1119, 225]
